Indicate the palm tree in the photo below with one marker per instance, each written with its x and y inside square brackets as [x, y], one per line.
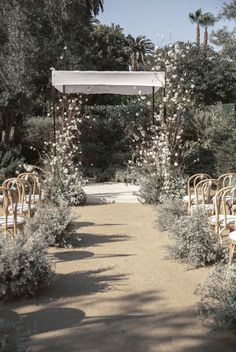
[195, 17]
[207, 19]
[94, 6]
[139, 47]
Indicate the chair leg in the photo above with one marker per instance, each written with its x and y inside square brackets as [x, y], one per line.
[231, 252]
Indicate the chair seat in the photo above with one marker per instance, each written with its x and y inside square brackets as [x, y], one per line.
[203, 206]
[25, 207]
[232, 236]
[35, 198]
[10, 221]
[1, 198]
[230, 219]
[193, 197]
[227, 198]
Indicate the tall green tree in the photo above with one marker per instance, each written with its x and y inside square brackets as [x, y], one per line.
[225, 38]
[195, 17]
[139, 48]
[107, 49]
[211, 76]
[229, 10]
[32, 40]
[207, 20]
[94, 6]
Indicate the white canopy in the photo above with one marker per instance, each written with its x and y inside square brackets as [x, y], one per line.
[104, 82]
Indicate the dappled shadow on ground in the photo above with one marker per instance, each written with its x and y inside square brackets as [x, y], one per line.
[88, 239]
[78, 225]
[71, 255]
[132, 327]
[83, 283]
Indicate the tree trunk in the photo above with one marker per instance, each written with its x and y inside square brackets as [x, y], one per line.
[198, 34]
[8, 129]
[205, 38]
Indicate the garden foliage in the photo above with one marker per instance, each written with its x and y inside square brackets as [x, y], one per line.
[207, 128]
[107, 136]
[168, 211]
[52, 222]
[24, 266]
[194, 241]
[218, 296]
[62, 161]
[9, 160]
[150, 189]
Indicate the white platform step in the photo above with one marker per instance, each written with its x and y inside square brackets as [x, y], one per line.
[111, 192]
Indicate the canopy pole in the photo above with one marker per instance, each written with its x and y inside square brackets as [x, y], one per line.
[54, 119]
[153, 104]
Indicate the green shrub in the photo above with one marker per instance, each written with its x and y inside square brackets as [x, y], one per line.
[53, 222]
[9, 160]
[208, 127]
[36, 130]
[127, 175]
[194, 241]
[24, 266]
[174, 187]
[218, 296]
[107, 136]
[58, 188]
[150, 189]
[168, 211]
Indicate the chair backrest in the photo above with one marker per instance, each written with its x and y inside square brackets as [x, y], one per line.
[20, 189]
[204, 191]
[227, 180]
[192, 182]
[9, 207]
[35, 182]
[223, 200]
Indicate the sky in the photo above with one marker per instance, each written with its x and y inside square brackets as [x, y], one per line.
[161, 21]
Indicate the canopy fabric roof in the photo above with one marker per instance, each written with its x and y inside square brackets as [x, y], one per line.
[108, 82]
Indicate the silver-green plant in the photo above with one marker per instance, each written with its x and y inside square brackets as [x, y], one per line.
[150, 188]
[194, 241]
[168, 211]
[53, 222]
[218, 296]
[24, 266]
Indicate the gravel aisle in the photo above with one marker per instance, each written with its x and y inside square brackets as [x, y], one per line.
[117, 292]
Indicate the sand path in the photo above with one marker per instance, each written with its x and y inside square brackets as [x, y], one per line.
[117, 292]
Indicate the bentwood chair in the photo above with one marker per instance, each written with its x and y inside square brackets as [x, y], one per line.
[2, 179]
[10, 222]
[227, 180]
[223, 220]
[190, 198]
[21, 188]
[36, 186]
[204, 193]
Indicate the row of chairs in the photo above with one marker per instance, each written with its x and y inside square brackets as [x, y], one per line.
[217, 198]
[19, 197]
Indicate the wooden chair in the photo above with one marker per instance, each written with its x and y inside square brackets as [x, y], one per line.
[10, 222]
[189, 199]
[227, 180]
[2, 179]
[21, 187]
[232, 245]
[204, 192]
[36, 186]
[223, 220]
